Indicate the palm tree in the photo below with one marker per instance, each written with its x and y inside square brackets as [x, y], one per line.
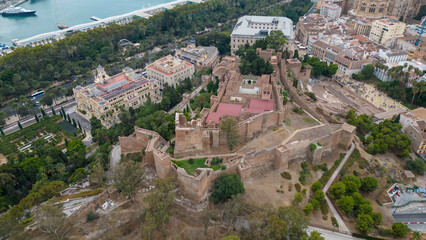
[415, 89]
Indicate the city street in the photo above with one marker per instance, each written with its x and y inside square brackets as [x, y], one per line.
[415, 221]
[85, 124]
[330, 235]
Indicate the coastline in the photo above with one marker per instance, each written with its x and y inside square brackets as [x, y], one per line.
[14, 3]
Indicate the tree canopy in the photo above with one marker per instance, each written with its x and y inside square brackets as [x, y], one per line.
[227, 186]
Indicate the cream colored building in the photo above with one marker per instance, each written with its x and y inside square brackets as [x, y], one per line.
[169, 70]
[249, 29]
[386, 29]
[104, 98]
[382, 8]
[200, 57]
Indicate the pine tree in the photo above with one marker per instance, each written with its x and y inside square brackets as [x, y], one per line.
[42, 112]
[53, 112]
[1, 132]
[19, 125]
[74, 123]
[36, 118]
[63, 113]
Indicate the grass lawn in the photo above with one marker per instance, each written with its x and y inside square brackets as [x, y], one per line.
[198, 163]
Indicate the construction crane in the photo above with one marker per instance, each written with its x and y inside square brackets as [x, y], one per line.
[421, 31]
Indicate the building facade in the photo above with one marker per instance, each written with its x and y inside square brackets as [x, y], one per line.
[249, 29]
[331, 11]
[384, 30]
[200, 57]
[170, 70]
[383, 8]
[310, 26]
[104, 98]
[361, 25]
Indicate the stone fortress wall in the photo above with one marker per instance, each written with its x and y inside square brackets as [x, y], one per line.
[296, 148]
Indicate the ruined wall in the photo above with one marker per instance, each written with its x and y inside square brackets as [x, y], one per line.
[131, 144]
[189, 136]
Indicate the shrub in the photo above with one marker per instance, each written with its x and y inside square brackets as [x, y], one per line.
[304, 192]
[223, 167]
[363, 236]
[297, 187]
[91, 216]
[290, 187]
[417, 166]
[323, 167]
[190, 161]
[384, 232]
[369, 184]
[298, 110]
[324, 208]
[286, 175]
[311, 95]
[307, 209]
[312, 147]
[324, 217]
[356, 173]
[26, 221]
[334, 222]
[298, 198]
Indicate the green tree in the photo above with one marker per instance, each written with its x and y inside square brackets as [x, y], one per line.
[95, 125]
[232, 209]
[128, 177]
[369, 184]
[346, 204]
[298, 197]
[296, 54]
[51, 220]
[337, 190]
[314, 236]
[160, 202]
[19, 125]
[377, 218]
[308, 208]
[76, 153]
[364, 222]
[53, 111]
[276, 40]
[3, 116]
[230, 127]
[42, 112]
[320, 196]
[317, 185]
[97, 177]
[36, 118]
[416, 166]
[227, 186]
[399, 229]
[277, 228]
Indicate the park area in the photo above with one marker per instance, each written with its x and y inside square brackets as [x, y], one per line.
[52, 130]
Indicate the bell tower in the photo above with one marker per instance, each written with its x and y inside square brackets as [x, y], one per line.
[101, 75]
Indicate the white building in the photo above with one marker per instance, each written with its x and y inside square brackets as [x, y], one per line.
[169, 70]
[249, 29]
[331, 11]
[393, 56]
[410, 67]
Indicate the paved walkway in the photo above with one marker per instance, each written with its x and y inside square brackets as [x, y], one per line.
[342, 226]
[330, 235]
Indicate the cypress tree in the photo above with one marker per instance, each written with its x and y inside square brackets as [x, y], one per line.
[53, 112]
[42, 112]
[69, 119]
[63, 113]
[66, 142]
[19, 125]
[79, 126]
[60, 112]
[74, 123]
[1, 131]
[36, 118]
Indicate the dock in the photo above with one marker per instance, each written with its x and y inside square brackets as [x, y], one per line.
[95, 18]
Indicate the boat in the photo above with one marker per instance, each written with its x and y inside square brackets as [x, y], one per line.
[17, 11]
[61, 26]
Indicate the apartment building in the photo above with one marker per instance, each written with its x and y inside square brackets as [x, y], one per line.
[384, 30]
[362, 26]
[310, 26]
[170, 70]
[104, 98]
[249, 29]
[331, 11]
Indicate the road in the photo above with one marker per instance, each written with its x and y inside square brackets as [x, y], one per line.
[115, 155]
[342, 225]
[330, 235]
[85, 124]
[415, 221]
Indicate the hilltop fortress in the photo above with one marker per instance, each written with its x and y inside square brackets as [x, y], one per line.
[257, 103]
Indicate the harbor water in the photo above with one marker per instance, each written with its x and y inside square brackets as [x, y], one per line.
[50, 13]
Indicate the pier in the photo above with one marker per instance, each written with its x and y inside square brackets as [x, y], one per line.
[95, 18]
